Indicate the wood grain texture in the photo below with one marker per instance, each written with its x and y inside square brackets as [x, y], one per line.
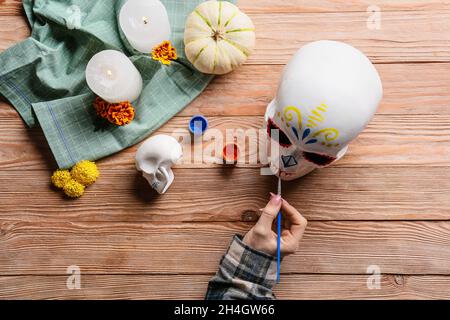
[233, 195]
[311, 286]
[276, 42]
[263, 6]
[393, 140]
[11, 7]
[12, 30]
[161, 248]
[14, 7]
[394, 42]
[408, 89]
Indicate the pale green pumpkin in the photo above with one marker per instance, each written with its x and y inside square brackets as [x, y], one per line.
[218, 37]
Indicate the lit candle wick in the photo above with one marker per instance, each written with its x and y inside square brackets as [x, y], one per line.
[109, 73]
[145, 19]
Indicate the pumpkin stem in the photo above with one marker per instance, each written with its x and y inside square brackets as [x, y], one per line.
[217, 35]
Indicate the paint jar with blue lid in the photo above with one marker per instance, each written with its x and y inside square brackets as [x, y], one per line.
[198, 125]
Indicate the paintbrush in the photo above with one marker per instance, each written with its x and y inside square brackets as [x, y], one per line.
[278, 235]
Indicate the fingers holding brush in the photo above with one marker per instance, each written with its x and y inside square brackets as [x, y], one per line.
[270, 212]
[263, 235]
[293, 229]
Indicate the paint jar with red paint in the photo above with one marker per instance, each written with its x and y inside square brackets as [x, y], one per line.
[230, 154]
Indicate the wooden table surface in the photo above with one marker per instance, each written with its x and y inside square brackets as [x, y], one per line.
[387, 203]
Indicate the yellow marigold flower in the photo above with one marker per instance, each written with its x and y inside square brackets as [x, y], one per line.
[117, 113]
[164, 52]
[60, 178]
[73, 189]
[85, 172]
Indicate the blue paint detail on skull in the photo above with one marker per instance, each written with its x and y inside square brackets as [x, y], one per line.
[306, 133]
[295, 132]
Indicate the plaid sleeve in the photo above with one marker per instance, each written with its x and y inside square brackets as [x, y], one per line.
[244, 273]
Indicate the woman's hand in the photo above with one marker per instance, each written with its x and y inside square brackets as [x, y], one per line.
[262, 237]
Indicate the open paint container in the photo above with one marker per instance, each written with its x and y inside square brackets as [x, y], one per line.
[230, 153]
[198, 125]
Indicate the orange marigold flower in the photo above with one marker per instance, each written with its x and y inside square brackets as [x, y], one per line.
[120, 114]
[164, 52]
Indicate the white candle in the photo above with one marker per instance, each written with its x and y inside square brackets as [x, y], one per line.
[113, 77]
[145, 23]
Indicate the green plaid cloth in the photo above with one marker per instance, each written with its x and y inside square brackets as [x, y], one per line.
[43, 77]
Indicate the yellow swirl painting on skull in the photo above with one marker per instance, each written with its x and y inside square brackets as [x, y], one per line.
[292, 116]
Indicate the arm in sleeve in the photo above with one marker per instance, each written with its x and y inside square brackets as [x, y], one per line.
[244, 273]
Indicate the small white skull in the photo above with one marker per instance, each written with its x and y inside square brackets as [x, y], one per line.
[155, 158]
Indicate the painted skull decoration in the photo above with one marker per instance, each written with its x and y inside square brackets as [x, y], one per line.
[327, 95]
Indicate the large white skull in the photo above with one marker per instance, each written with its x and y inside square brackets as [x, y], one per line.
[155, 158]
[328, 93]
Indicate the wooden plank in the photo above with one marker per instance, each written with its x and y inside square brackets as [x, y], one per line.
[408, 88]
[393, 140]
[141, 287]
[11, 8]
[251, 6]
[342, 287]
[232, 195]
[394, 42]
[12, 30]
[14, 7]
[144, 287]
[276, 43]
[158, 248]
